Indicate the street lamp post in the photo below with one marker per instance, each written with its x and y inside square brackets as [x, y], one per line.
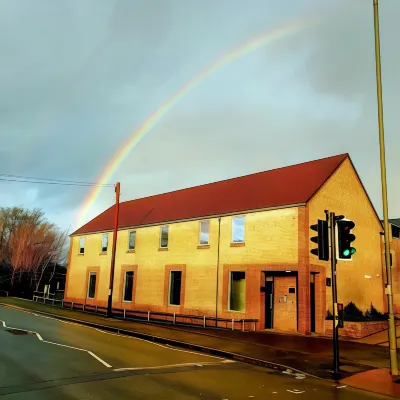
[391, 323]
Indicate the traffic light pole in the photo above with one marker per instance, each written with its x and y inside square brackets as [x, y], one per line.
[394, 370]
[332, 225]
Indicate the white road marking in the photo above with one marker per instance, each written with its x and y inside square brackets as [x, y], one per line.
[59, 344]
[295, 391]
[182, 365]
[341, 387]
[99, 359]
[125, 336]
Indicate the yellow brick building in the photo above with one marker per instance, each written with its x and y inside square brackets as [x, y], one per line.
[235, 249]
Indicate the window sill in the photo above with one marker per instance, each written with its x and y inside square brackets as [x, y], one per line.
[203, 246]
[238, 244]
[103, 253]
[127, 301]
[131, 251]
[174, 305]
[163, 249]
[81, 254]
[235, 311]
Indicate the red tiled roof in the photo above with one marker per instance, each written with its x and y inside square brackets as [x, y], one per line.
[275, 188]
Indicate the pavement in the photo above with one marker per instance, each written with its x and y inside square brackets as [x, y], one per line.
[308, 355]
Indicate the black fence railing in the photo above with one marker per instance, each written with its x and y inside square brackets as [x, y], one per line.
[153, 316]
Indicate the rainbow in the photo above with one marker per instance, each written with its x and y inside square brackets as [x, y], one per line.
[145, 127]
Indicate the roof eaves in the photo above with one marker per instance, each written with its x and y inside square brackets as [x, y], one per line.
[193, 218]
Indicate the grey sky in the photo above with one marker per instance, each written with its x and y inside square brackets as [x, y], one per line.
[77, 77]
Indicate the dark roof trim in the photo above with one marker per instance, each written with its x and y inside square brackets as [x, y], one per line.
[198, 218]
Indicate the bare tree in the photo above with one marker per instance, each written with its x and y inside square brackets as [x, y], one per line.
[29, 243]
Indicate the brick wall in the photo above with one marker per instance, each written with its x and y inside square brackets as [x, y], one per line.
[357, 330]
[344, 194]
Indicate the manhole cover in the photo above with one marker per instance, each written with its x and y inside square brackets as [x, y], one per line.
[18, 332]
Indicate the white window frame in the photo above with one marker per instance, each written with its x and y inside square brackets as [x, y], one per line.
[88, 287]
[129, 236]
[123, 288]
[84, 242]
[102, 236]
[161, 228]
[208, 241]
[244, 228]
[230, 289]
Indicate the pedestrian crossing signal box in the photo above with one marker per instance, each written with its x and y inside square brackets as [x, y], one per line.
[340, 315]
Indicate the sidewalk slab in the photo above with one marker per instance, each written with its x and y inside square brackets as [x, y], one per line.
[376, 380]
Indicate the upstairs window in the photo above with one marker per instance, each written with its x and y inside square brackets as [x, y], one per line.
[395, 232]
[104, 243]
[82, 245]
[204, 233]
[132, 240]
[238, 230]
[164, 237]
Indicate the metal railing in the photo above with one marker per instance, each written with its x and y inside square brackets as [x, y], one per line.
[244, 324]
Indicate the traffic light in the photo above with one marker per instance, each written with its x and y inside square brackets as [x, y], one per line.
[322, 240]
[340, 315]
[345, 237]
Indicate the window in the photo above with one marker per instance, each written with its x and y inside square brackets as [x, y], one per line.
[91, 285]
[82, 245]
[128, 286]
[204, 232]
[132, 240]
[104, 243]
[164, 237]
[175, 288]
[238, 230]
[395, 232]
[237, 291]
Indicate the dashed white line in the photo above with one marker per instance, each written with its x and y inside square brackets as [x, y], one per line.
[99, 359]
[124, 336]
[59, 344]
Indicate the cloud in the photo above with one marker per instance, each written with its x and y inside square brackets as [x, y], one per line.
[76, 84]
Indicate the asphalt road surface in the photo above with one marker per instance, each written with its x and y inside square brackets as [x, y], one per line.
[43, 358]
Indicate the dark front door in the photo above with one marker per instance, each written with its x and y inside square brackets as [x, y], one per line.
[269, 303]
[312, 302]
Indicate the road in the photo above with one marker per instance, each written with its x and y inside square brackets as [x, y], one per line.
[44, 358]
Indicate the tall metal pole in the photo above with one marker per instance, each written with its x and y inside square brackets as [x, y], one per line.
[336, 367]
[114, 247]
[217, 283]
[391, 323]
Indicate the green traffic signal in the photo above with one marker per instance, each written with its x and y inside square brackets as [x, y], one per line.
[353, 250]
[346, 252]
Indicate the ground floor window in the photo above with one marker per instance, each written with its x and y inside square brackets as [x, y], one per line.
[175, 288]
[91, 285]
[128, 286]
[237, 291]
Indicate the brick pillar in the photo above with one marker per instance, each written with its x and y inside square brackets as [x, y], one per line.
[320, 301]
[303, 288]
